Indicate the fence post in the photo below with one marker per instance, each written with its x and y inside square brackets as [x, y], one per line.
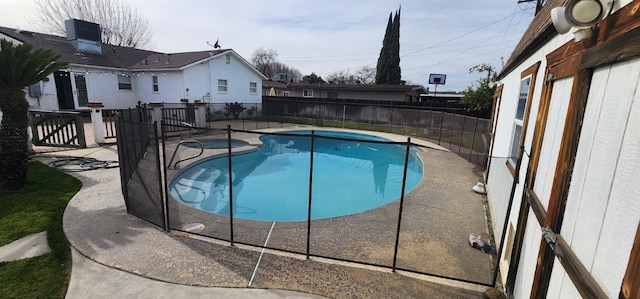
[464, 120]
[230, 183]
[80, 128]
[404, 183]
[453, 123]
[441, 124]
[96, 121]
[156, 115]
[391, 120]
[310, 192]
[473, 140]
[165, 185]
[201, 114]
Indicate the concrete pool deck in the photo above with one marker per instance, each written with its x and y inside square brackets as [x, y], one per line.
[99, 228]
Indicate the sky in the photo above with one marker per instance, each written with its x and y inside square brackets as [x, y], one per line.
[436, 36]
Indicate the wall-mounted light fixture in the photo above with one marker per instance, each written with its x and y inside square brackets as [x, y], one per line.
[579, 14]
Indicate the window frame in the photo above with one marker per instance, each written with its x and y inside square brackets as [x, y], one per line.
[253, 88]
[307, 93]
[155, 87]
[225, 85]
[123, 85]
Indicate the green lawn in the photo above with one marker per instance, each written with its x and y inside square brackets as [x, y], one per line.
[37, 207]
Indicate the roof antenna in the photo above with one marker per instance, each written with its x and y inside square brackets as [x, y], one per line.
[216, 45]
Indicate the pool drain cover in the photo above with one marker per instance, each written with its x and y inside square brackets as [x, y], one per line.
[193, 227]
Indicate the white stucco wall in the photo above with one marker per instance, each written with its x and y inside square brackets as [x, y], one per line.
[170, 86]
[197, 80]
[102, 86]
[200, 82]
[238, 75]
[48, 100]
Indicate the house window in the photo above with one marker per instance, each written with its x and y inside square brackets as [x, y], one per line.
[228, 58]
[285, 93]
[154, 83]
[307, 93]
[253, 87]
[124, 82]
[222, 85]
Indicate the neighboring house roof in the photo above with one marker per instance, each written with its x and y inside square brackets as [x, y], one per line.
[112, 57]
[274, 84]
[360, 87]
[117, 56]
[539, 32]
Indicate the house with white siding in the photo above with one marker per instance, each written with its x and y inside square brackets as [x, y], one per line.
[562, 178]
[119, 77]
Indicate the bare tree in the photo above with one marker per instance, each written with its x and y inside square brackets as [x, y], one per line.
[295, 75]
[366, 75]
[266, 61]
[263, 60]
[341, 77]
[121, 24]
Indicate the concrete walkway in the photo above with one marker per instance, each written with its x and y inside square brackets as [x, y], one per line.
[92, 280]
[107, 240]
[30, 246]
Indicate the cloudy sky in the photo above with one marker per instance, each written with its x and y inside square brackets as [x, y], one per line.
[436, 36]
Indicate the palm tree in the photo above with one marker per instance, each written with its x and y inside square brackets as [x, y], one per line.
[20, 66]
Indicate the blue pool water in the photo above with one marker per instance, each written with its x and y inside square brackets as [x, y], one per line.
[272, 183]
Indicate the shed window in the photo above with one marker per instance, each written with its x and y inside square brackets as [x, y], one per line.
[523, 98]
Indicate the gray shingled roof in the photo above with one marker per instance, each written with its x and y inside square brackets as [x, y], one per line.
[173, 60]
[112, 56]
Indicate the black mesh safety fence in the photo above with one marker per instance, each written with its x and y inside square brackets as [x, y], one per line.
[331, 193]
[454, 127]
[140, 173]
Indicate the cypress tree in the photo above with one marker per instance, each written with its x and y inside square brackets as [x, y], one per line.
[388, 68]
[394, 57]
[383, 60]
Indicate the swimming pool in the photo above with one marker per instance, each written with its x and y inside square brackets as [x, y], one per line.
[272, 183]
